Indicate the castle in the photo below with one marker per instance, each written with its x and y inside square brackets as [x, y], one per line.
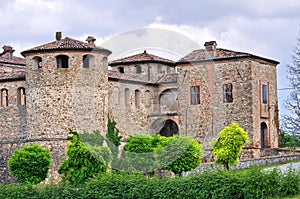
[66, 84]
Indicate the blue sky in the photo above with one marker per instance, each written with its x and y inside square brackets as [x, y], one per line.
[265, 28]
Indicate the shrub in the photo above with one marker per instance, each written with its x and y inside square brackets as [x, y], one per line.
[145, 153]
[229, 145]
[84, 160]
[30, 164]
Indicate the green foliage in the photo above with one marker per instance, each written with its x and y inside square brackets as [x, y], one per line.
[94, 139]
[229, 145]
[30, 164]
[84, 160]
[287, 140]
[248, 184]
[112, 133]
[190, 157]
[147, 153]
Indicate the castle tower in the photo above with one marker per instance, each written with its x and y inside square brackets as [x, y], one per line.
[67, 82]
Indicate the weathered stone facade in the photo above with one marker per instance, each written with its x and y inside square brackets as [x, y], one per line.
[68, 86]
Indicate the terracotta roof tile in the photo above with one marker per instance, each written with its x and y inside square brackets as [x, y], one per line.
[66, 43]
[203, 55]
[4, 57]
[142, 57]
[11, 76]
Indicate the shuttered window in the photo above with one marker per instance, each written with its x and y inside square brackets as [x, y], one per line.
[195, 95]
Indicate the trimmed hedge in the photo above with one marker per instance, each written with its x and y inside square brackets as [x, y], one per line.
[251, 183]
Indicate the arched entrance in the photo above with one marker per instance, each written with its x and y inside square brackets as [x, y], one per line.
[169, 129]
[264, 134]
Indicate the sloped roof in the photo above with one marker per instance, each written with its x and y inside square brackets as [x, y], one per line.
[66, 44]
[12, 76]
[141, 58]
[4, 58]
[203, 55]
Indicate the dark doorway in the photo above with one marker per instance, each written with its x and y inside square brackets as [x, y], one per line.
[264, 134]
[169, 129]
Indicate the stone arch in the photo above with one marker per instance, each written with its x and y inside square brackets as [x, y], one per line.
[21, 97]
[264, 135]
[168, 101]
[88, 61]
[62, 61]
[37, 62]
[147, 98]
[137, 98]
[4, 97]
[169, 128]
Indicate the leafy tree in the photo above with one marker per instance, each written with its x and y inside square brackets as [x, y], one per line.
[177, 153]
[30, 164]
[287, 140]
[291, 120]
[113, 132]
[84, 160]
[229, 145]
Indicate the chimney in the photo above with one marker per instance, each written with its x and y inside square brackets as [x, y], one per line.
[91, 40]
[9, 49]
[211, 48]
[58, 36]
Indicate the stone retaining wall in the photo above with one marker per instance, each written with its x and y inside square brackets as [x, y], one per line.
[248, 163]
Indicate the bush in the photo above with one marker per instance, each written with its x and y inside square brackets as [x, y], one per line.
[246, 184]
[84, 160]
[30, 164]
[229, 145]
[145, 153]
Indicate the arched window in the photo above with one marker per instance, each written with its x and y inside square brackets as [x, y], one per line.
[137, 97]
[138, 69]
[116, 96]
[4, 97]
[168, 101]
[62, 61]
[264, 135]
[127, 96]
[88, 61]
[37, 63]
[147, 98]
[21, 97]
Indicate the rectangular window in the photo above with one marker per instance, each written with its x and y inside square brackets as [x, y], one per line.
[265, 94]
[195, 95]
[227, 93]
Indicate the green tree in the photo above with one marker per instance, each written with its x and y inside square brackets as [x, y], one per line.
[287, 140]
[84, 160]
[229, 145]
[112, 133]
[177, 153]
[30, 164]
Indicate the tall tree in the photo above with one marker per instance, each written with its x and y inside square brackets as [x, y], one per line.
[291, 121]
[229, 145]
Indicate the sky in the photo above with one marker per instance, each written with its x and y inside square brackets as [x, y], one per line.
[267, 28]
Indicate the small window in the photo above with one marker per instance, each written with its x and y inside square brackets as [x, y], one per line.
[138, 69]
[227, 93]
[21, 97]
[137, 96]
[121, 69]
[127, 96]
[88, 61]
[62, 61]
[4, 97]
[148, 98]
[195, 95]
[265, 94]
[37, 63]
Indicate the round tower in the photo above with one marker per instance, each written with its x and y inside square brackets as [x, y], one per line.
[67, 83]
